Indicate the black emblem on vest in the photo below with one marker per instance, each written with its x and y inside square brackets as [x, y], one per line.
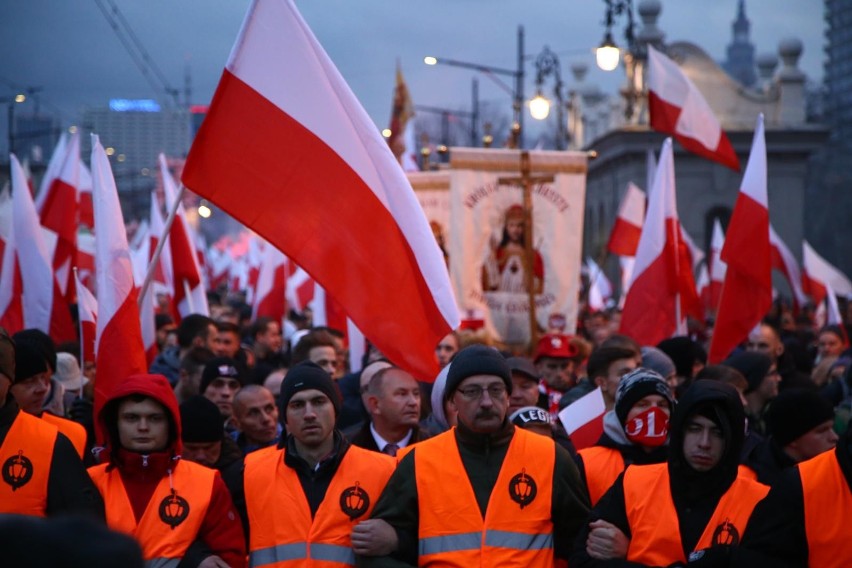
[17, 470]
[522, 489]
[726, 533]
[174, 509]
[354, 501]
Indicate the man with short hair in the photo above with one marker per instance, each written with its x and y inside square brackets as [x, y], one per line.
[302, 498]
[447, 348]
[767, 340]
[606, 367]
[256, 419]
[267, 343]
[763, 378]
[220, 381]
[554, 361]
[393, 401]
[317, 346]
[485, 493]
[42, 474]
[692, 509]
[191, 367]
[525, 381]
[194, 330]
[227, 343]
[177, 510]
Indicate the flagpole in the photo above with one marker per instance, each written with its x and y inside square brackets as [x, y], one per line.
[156, 258]
[80, 331]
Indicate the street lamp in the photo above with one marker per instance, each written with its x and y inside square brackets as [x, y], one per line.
[517, 91]
[539, 106]
[607, 55]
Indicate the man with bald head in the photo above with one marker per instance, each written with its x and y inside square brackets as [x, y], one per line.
[767, 340]
[256, 418]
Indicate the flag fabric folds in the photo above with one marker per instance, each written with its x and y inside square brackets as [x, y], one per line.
[87, 307]
[819, 275]
[269, 297]
[120, 352]
[747, 290]
[784, 261]
[352, 220]
[624, 237]
[678, 108]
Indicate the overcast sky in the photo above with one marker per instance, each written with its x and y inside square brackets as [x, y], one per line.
[68, 49]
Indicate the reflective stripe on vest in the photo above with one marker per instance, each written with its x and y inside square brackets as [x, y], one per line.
[25, 458]
[271, 486]
[170, 522]
[602, 467]
[517, 529]
[827, 501]
[652, 516]
[76, 433]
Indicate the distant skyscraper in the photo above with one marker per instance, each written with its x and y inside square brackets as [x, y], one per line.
[740, 57]
[838, 71]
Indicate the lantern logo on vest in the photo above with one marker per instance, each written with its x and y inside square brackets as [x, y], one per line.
[354, 501]
[726, 533]
[17, 471]
[522, 489]
[174, 509]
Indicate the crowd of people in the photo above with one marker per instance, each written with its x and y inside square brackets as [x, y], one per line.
[254, 443]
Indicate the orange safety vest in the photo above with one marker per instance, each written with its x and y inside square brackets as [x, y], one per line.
[281, 530]
[827, 502]
[73, 431]
[174, 514]
[655, 536]
[26, 457]
[602, 466]
[518, 526]
[747, 472]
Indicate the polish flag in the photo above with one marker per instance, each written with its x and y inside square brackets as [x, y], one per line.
[11, 309]
[600, 288]
[120, 352]
[784, 261]
[87, 307]
[663, 284]
[718, 268]
[627, 264]
[351, 219]
[583, 419]
[624, 237]
[678, 108]
[32, 279]
[747, 290]
[271, 285]
[86, 260]
[54, 166]
[218, 267]
[702, 284]
[300, 289]
[327, 311]
[87, 216]
[189, 294]
[819, 274]
[59, 212]
[693, 251]
[162, 279]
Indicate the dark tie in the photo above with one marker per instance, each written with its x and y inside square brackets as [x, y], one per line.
[390, 449]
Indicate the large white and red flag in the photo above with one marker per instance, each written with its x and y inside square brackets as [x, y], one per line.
[269, 297]
[784, 261]
[583, 419]
[162, 280]
[11, 310]
[53, 168]
[120, 352]
[747, 291]
[819, 274]
[678, 108]
[87, 309]
[718, 268]
[663, 286]
[284, 128]
[59, 212]
[31, 277]
[624, 237]
[190, 297]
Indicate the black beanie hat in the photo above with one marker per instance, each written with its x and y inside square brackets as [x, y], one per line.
[221, 367]
[636, 385]
[29, 359]
[752, 365]
[41, 341]
[305, 376]
[683, 352]
[477, 360]
[795, 412]
[201, 421]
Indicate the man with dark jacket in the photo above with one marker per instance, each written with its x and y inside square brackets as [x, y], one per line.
[694, 508]
[484, 493]
[176, 509]
[42, 475]
[194, 330]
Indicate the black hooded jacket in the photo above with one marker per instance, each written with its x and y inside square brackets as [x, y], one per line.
[695, 494]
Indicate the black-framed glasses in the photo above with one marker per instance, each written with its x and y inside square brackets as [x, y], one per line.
[474, 392]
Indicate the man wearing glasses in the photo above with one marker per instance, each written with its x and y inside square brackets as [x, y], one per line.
[483, 493]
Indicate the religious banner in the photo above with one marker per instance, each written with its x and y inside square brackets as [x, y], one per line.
[488, 264]
[433, 193]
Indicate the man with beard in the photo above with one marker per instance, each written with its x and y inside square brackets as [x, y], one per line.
[694, 508]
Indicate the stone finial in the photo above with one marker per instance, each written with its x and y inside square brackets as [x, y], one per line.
[790, 49]
[766, 64]
[649, 33]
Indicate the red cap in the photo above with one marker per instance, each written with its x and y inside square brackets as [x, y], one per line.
[555, 345]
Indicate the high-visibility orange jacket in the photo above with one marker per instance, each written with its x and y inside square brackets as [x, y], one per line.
[602, 467]
[173, 516]
[72, 430]
[827, 501]
[281, 530]
[653, 521]
[25, 458]
[517, 530]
